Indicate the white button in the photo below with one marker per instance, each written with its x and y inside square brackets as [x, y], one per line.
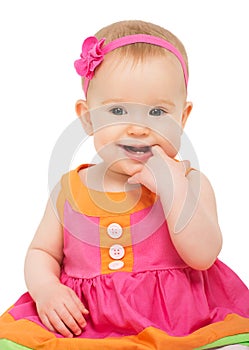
[116, 265]
[114, 230]
[116, 251]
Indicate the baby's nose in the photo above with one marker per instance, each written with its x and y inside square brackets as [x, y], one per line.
[137, 130]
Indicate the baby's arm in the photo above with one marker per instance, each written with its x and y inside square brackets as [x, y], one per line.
[200, 240]
[189, 205]
[57, 305]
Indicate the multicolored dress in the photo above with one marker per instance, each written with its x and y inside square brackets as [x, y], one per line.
[120, 261]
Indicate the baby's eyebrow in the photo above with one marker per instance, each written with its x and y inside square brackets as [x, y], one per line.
[115, 100]
[154, 102]
[162, 102]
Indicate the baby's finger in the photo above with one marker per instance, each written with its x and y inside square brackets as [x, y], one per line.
[158, 151]
[69, 321]
[58, 323]
[79, 305]
[77, 312]
[133, 180]
[47, 323]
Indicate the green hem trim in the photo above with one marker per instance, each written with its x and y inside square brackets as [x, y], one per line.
[10, 345]
[242, 339]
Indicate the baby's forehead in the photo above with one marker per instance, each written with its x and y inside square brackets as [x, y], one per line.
[143, 81]
[140, 60]
[161, 65]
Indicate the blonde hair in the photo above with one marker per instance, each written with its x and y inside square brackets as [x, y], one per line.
[140, 50]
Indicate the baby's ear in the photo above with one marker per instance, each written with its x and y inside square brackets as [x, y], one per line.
[83, 113]
[187, 109]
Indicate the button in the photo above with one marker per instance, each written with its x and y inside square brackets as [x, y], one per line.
[116, 251]
[116, 265]
[114, 230]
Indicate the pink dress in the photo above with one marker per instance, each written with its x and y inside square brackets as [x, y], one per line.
[120, 261]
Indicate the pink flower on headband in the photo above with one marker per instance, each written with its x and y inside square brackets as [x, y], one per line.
[91, 56]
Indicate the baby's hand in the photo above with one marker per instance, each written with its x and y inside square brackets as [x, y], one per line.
[61, 311]
[160, 172]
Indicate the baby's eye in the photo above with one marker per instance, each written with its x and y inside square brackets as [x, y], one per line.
[157, 112]
[118, 111]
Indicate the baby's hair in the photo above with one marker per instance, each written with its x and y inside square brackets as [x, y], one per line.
[140, 50]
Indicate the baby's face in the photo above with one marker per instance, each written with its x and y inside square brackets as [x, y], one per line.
[134, 106]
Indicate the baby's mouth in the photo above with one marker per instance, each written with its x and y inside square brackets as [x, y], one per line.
[139, 153]
[137, 149]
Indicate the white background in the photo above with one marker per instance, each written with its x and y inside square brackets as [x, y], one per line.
[38, 88]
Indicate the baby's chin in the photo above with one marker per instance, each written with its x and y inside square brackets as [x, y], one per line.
[126, 170]
[132, 168]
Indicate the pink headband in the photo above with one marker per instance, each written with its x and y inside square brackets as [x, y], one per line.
[93, 53]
